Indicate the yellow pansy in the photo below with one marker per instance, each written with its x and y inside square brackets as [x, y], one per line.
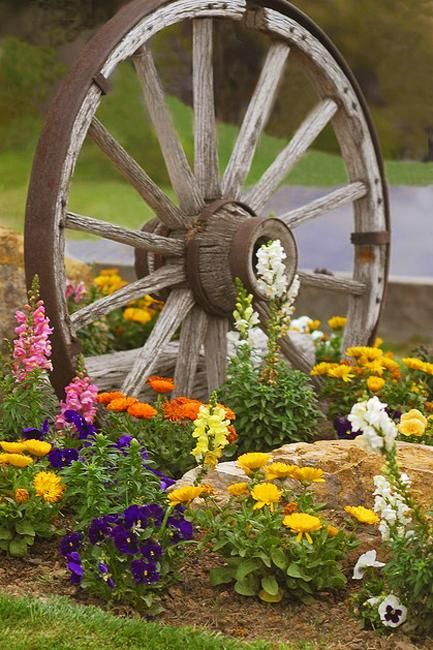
[38, 447]
[414, 414]
[413, 427]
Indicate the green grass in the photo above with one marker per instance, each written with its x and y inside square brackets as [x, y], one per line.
[56, 624]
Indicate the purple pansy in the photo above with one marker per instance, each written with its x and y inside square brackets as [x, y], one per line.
[36, 434]
[62, 457]
[151, 550]
[144, 572]
[70, 543]
[135, 516]
[103, 568]
[84, 429]
[181, 529]
[75, 567]
[164, 481]
[344, 428]
[98, 529]
[124, 540]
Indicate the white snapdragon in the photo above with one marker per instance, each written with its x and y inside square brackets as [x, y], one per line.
[378, 430]
[245, 319]
[365, 561]
[391, 507]
[271, 270]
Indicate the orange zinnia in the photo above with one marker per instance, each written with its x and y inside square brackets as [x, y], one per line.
[121, 404]
[142, 411]
[161, 384]
[181, 408]
[106, 398]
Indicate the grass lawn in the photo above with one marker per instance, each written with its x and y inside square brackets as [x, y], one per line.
[56, 624]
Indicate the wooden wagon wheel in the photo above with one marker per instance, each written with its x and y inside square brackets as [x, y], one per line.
[201, 243]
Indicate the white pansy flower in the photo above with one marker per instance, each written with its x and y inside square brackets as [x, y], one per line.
[365, 561]
[391, 611]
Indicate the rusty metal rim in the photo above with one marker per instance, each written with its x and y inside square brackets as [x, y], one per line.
[39, 234]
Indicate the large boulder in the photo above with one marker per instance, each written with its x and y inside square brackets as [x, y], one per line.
[12, 280]
[349, 470]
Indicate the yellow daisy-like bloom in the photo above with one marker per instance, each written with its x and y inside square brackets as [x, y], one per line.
[389, 364]
[253, 461]
[309, 474]
[137, 315]
[49, 486]
[21, 495]
[372, 367]
[332, 531]
[302, 524]
[313, 325]
[322, 368]
[337, 322]
[414, 364]
[16, 460]
[184, 495]
[428, 368]
[238, 489]
[13, 447]
[412, 427]
[280, 470]
[363, 515]
[266, 494]
[38, 448]
[109, 281]
[414, 414]
[342, 372]
[377, 342]
[375, 384]
[364, 351]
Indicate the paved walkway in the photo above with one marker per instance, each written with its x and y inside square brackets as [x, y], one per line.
[324, 242]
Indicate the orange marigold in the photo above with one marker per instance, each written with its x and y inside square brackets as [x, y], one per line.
[21, 495]
[142, 411]
[121, 404]
[230, 415]
[290, 508]
[181, 408]
[106, 398]
[233, 436]
[161, 384]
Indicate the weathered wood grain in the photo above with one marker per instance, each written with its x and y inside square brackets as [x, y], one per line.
[255, 119]
[215, 347]
[137, 239]
[167, 212]
[191, 340]
[311, 127]
[331, 283]
[336, 199]
[167, 276]
[206, 166]
[175, 310]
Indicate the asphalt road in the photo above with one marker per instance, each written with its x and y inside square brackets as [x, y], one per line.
[325, 242]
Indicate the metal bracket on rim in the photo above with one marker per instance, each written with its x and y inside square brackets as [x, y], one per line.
[373, 238]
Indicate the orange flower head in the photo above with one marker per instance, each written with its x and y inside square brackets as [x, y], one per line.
[142, 411]
[230, 415]
[161, 384]
[332, 531]
[121, 404]
[21, 495]
[106, 398]
[233, 436]
[290, 508]
[181, 408]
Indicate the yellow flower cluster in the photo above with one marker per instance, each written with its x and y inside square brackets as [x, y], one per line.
[15, 452]
[211, 430]
[136, 315]
[417, 364]
[337, 322]
[143, 310]
[109, 281]
[413, 423]
[49, 486]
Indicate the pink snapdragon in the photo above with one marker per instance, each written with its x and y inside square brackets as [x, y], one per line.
[32, 347]
[80, 397]
[76, 292]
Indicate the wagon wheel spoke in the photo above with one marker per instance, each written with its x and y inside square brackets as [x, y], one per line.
[336, 199]
[311, 127]
[178, 305]
[167, 276]
[206, 166]
[215, 348]
[192, 335]
[167, 212]
[137, 239]
[331, 283]
[255, 119]
[179, 171]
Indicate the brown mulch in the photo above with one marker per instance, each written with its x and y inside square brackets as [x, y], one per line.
[327, 621]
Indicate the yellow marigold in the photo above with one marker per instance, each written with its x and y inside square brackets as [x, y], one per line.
[428, 368]
[322, 368]
[266, 494]
[109, 281]
[364, 351]
[106, 398]
[161, 384]
[142, 411]
[375, 384]
[49, 486]
[13, 447]
[413, 427]
[280, 470]
[238, 489]
[184, 495]
[137, 315]
[121, 404]
[38, 448]
[17, 460]
[207, 489]
[363, 515]
[414, 414]
[302, 524]
[337, 322]
[389, 364]
[253, 461]
[309, 474]
[413, 363]
[372, 367]
[341, 372]
[332, 531]
[313, 325]
[21, 495]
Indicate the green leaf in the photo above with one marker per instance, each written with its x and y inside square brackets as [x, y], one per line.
[6, 534]
[270, 585]
[18, 547]
[24, 527]
[294, 571]
[221, 575]
[4, 545]
[245, 567]
[268, 598]
[279, 558]
[246, 587]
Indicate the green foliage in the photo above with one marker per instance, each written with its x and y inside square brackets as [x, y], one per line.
[269, 415]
